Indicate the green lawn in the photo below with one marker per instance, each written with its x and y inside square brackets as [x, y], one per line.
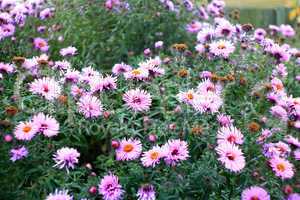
[256, 3]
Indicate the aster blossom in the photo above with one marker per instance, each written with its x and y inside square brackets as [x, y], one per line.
[231, 156]
[25, 131]
[130, 149]
[230, 134]
[152, 157]
[59, 195]
[255, 192]
[221, 48]
[110, 188]
[46, 124]
[90, 106]
[66, 158]
[138, 100]
[282, 167]
[146, 192]
[46, 87]
[18, 153]
[175, 151]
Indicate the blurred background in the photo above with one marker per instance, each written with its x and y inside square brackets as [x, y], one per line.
[264, 12]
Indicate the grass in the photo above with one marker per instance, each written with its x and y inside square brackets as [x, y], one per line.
[258, 4]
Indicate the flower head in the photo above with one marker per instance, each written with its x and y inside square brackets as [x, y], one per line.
[137, 100]
[46, 124]
[255, 193]
[110, 188]
[231, 156]
[152, 157]
[46, 87]
[66, 158]
[146, 192]
[175, 151]
[230, 134]
[282, 168]
[25, 131]
[221, 48]
[90, 106]
[130, 149]
[59, 195]
[18, 153]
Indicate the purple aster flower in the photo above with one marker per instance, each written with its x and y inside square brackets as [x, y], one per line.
[18, 153]
[110, 188]
[146, 192]
[66, 158]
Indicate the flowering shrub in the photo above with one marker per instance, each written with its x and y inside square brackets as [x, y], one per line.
[217, 117]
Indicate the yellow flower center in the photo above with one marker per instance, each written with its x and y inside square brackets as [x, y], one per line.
[190, 96]
[128, 148]
[26, 129]
[221, 46]
[154, 155]
[280, 167]
[136, 72]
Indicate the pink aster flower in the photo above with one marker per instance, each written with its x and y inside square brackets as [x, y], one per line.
[231, 156]
[187, 96]
[137, 100]
[209, 102]
[297, 154]
[255, 193]
[88, 74]
[159, 44]
[66, 158]
[259, 34]
[46, 13]
[175, 151]
[18, 153]
[230, 134]
[130, 149]
[225, 29]
[279, 112]
[90, 106]
[110, 188]
[25, 131]
[194, 27]
[221, 48]
[68, 51]
[205, 35]
[137, 74]
[280, 53]
[46, 124]
[46, 87]
[282, 168]
[224, 120]
[76, 91]
[146, 192]
[40, 44]
[6, 68]
[287, 30]
[62, 65]
[293, 196]
[152, 157]
[72, 75]
[200, 48]
[292, 140]
[208, 86]
[103, 83]
[7, 30]
[121, 68]
[59, 195]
